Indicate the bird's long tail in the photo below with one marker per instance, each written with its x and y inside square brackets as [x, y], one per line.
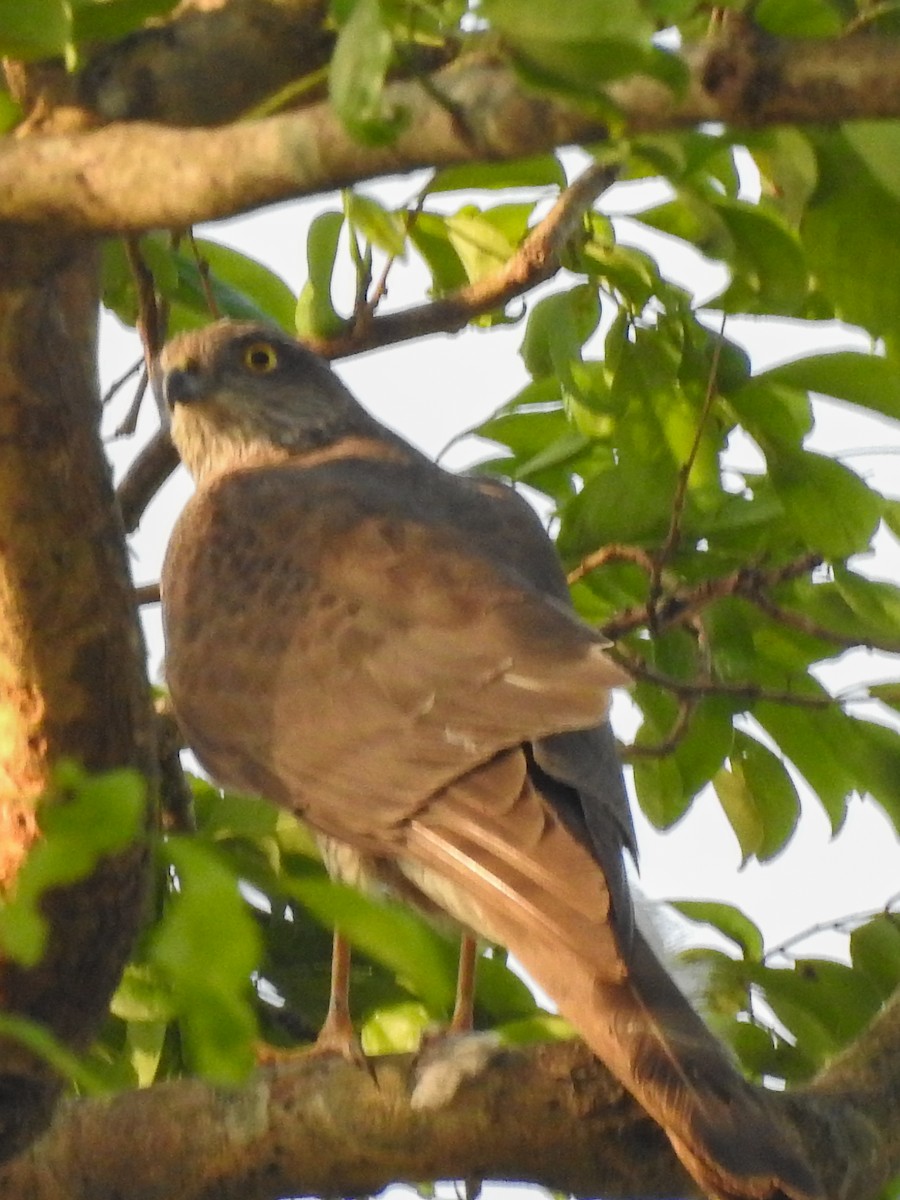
[512, 870]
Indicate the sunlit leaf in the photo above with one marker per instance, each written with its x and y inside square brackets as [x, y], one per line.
[208, 974]
[378, 225]
[728, 920]
[828, 504]
[104, 20]
[82, 818]
[875, 950]
[866, 380]
[798, 18]
[36, 29]
[524, 172]
[315, 314]
[356, 79]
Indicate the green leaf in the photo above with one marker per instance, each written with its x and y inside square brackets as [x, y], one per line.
[106, 20]
[660, 789]
[221, 815]
[206, 949]
[773, 413]
[739, 807]
[877, 604]
[82, 819]
[430, 234]
[543, 171]
[866, 380]
[851, 228]
[705, 744]
[145, 1041]
[558, 327]
[617, 505]
[878, 144]
[788, 166]
[265, 292]
[874, 754]
[772, 793]
[36, 29]
[798, 18]
[41, 1042]
[500, 992]
[839, 1000]
[830, 507]
[580, 44]
[542, 1027]
[875, 951]
[356, 78]
[481, 243]
[755, 1048]
[315, 314]
[728, 920]
[770, 274]
[395, 1028]
[384, 229]
[815, 742]
[423, 960]
[142, 995]
[577, 21]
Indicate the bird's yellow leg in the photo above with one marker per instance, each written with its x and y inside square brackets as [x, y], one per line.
[463, 1019]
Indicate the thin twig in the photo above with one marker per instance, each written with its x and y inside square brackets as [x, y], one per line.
[697, 688]
[128, 424]
[203, 271]
[686, 707]
[537, 259]
[175, 793]
[146, 593]
[845, 924]
[673, 536]
[613, 552]
[683, 605]
[804, 624]
[145, 477]
[119, 383]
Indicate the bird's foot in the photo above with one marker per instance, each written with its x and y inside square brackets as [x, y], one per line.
[445, 1061]
[336, 1038]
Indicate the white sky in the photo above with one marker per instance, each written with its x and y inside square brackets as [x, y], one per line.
[432, 389]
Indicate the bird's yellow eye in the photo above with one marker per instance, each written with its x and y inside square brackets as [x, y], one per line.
[260, 358]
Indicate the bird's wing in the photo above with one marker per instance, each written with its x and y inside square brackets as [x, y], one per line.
[360, 644]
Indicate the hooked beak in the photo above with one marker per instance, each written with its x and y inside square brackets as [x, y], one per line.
[181, 385]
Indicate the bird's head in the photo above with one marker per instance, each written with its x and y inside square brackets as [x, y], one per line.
[242, 391]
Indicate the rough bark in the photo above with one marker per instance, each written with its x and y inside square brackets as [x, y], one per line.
[71, 659]
[131, 177]
[550, 1115]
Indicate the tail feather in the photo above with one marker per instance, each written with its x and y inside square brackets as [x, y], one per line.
[493, 867]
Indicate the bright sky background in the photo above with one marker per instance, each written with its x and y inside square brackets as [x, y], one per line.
[432, 389]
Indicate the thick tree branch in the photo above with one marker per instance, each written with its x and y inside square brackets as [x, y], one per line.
[129, 178]
[550, 1115]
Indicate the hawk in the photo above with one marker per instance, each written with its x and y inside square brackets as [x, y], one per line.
[389, 651]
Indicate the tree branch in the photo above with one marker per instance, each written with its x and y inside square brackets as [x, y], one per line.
[682, 606]
[537, 259]
[130, 178]
[71, 656]
[550, 1114]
